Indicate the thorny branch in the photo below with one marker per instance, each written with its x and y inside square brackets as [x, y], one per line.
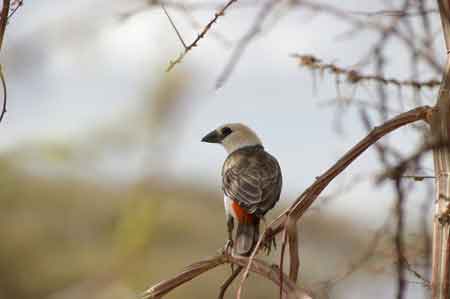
[353, 76]
[201, 35]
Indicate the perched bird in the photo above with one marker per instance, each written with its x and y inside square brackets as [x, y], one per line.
[251, 182]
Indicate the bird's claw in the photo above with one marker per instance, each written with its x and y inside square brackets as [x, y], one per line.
[269, 242]
[228, 249]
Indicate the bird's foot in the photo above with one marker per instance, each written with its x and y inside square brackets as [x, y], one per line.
[228, 250]
[269, 241]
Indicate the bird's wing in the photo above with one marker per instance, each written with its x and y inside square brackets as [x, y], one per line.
[253, 179]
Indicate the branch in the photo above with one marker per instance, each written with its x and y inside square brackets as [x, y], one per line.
[304, 201]
[201, 35]
[290, 289]
[440, 125]
[307, 198]
[287, 221]
[353, 76]
[245, 41]
[399, 240]
[3, 22]
[364, 23]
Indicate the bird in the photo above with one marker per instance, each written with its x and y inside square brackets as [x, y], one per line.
[251, 183]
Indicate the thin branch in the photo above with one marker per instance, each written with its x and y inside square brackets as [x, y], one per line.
[244, 42]
[174, 27]
[248, 266]
[229, 281]
[399, 243]
[353, 76]
[395, 13]
[3, 22]
[418, 178]
[290, 289]
[419, 276]
[362, 23]
[201, 35]
[17, 5]
[5, 94]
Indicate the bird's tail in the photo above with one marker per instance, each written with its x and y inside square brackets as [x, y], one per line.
[247, 234]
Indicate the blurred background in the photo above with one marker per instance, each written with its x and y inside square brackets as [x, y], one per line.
[106, 188]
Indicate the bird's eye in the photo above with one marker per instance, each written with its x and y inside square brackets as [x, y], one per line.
[226, 131]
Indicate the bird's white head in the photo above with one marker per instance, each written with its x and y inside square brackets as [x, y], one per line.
[233, 137]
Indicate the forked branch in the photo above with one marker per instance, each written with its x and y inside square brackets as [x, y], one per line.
[201, 35]
[290, 289]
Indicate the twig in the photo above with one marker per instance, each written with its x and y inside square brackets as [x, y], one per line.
[244, 42]
[408, 267]
[257, 266]
[400, 215]
[354, 76]
[5, 94]
[360, 23]
[395, 13]
[229, 281]
[202, 34]
[248, 266]
[17, 4]
[173, 26]
[3, 22]
[418, 178]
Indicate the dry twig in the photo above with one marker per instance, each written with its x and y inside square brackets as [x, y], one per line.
[290, 289]
[201, 35]
[353, 76]
[3, 22]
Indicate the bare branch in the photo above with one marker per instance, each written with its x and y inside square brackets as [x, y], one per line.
[244, 41]
[201, 35]
[400, 215]
[353, 76]
[290, 289]
[5, 94]
[3, 22]
[174, 27]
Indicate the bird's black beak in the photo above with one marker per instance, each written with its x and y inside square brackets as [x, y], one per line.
[212, 137]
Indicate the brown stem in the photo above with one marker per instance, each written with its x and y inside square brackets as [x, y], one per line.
[290, 289]
[441, 156]
[307, 198]
[3, 22]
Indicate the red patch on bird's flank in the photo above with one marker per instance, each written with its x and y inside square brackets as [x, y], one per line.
[241, 215]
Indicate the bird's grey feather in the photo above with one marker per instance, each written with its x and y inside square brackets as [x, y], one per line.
[252, 177]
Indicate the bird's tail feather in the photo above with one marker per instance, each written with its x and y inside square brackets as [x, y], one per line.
[247, 234]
